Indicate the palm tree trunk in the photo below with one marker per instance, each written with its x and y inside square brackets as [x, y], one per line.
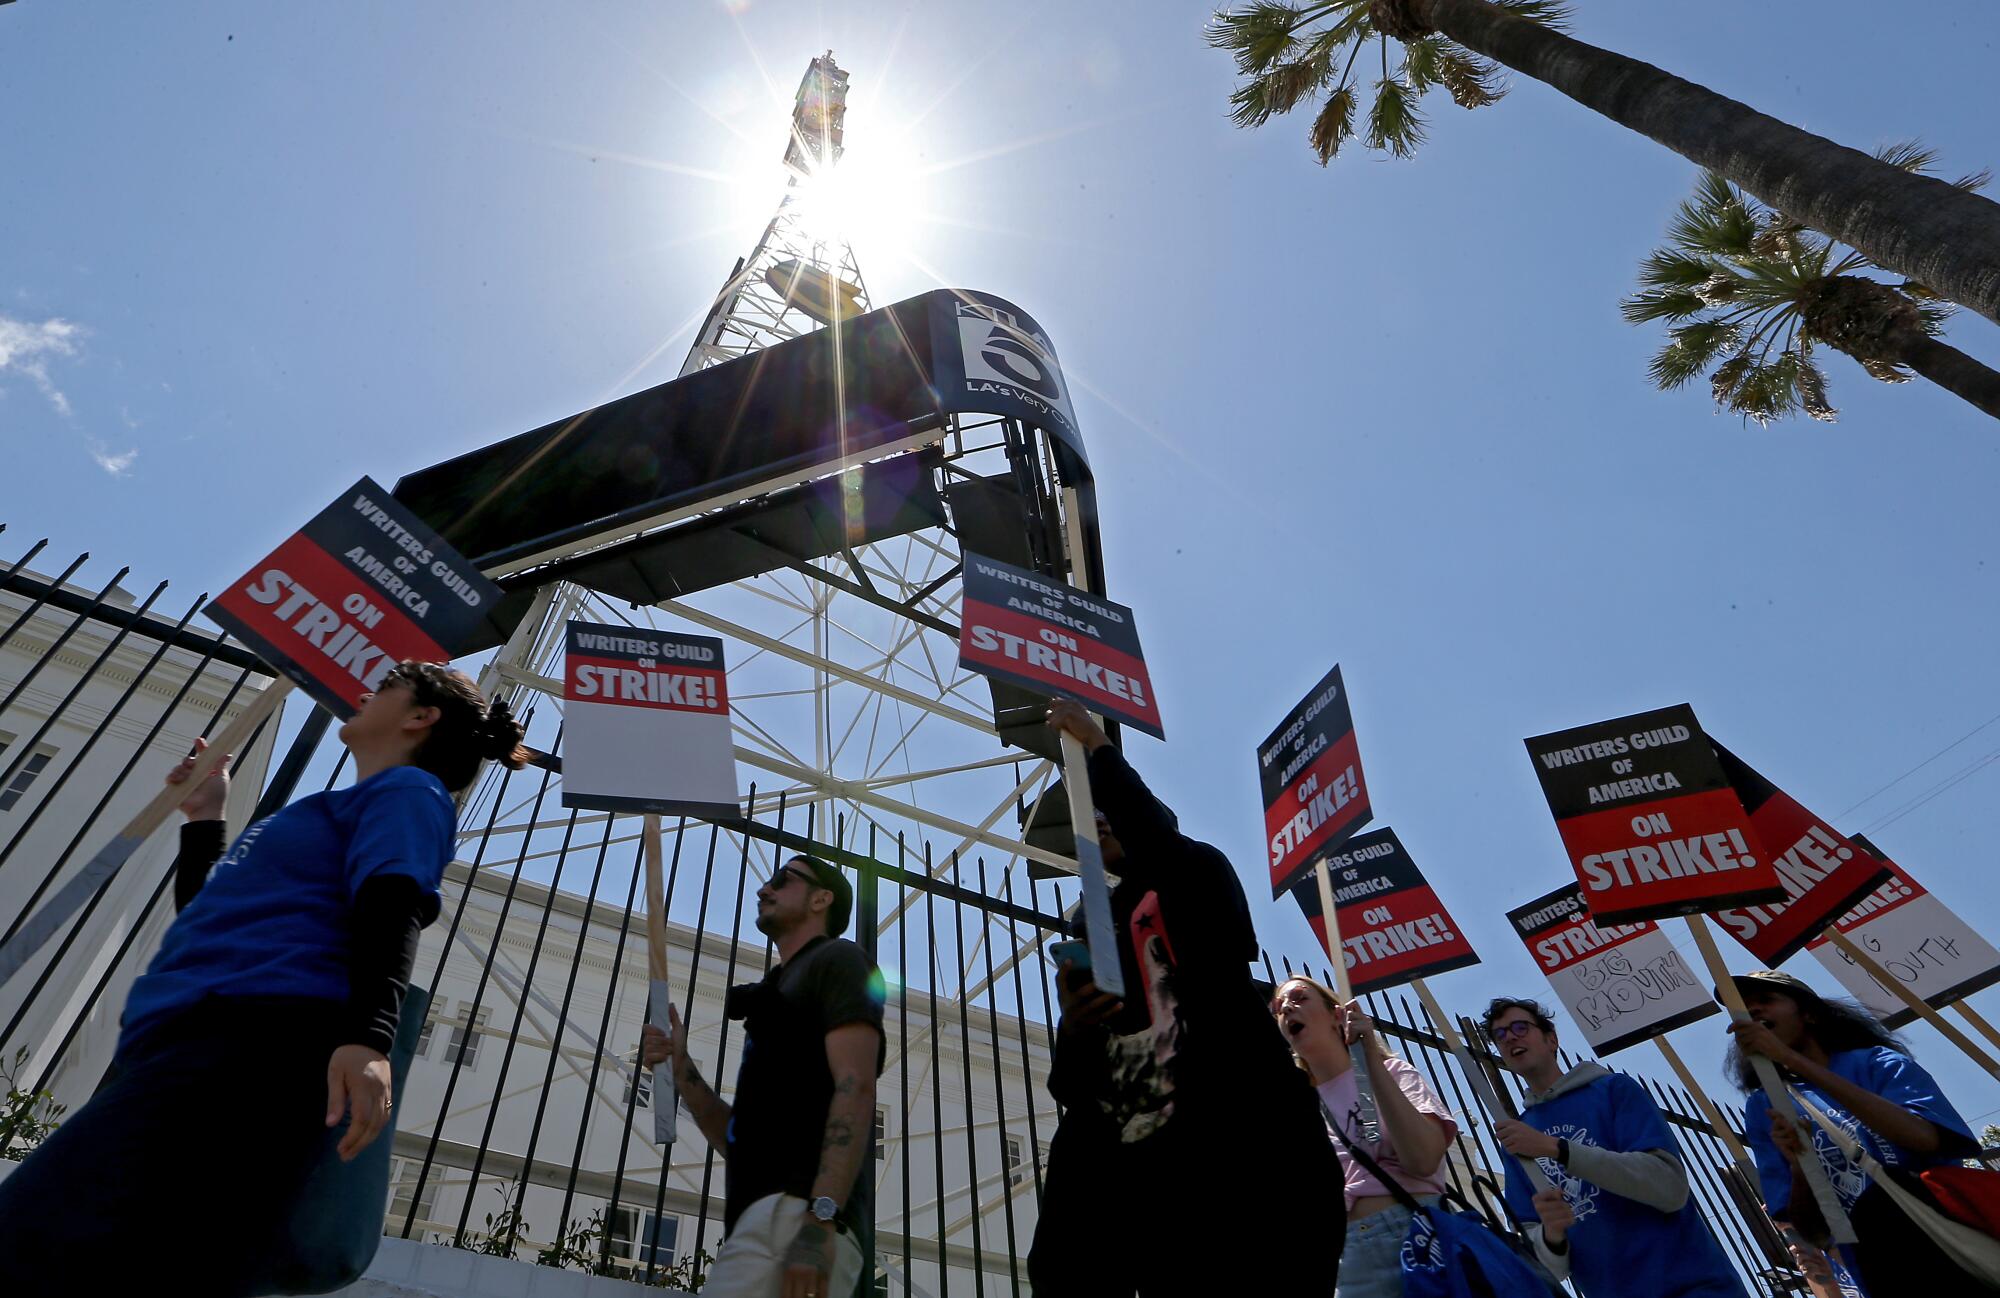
[1919, 226]
[1955, 372]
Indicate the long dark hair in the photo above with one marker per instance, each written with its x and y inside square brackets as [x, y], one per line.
[1836, 1025]
[468, 731]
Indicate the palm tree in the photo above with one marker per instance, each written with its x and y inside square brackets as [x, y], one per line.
[1755, 290]
[1915, 225]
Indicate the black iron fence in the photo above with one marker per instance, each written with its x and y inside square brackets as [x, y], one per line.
[526, 1127]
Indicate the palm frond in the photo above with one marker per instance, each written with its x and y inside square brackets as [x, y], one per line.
[1549, 13]
[1394, 124]
[1886, 371]
[1665, 269]
[1259, 35]
[1810, 383]
[1692, 349]
[1662, 304]
[1250, 103]
[1288, 83]
[1334, 126]
[1767, 391]
[1907, 155]
[1422, 63]
[1975, 181]
[1722, 383]
[1932, 316]
[1472, 81]
[1714, 221]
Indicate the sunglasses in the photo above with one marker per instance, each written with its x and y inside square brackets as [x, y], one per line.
[777, 881]
[1512, 1031]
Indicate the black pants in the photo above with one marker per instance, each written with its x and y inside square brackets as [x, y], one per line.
[1118, 1220]
[186, 1160]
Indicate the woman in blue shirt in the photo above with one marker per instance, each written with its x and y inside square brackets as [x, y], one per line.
[266, 1015]
[1862, 1077]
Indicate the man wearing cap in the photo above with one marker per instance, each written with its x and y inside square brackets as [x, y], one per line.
[1184, 1117]
[1617, 1215]
[1858, 1073]
[804, 1114]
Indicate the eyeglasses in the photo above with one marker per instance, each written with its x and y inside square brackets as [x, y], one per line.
[777, 880]
[1514, 1031]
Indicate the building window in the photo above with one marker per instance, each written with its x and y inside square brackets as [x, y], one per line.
[1014, 1173]
[619, 1227]
[881, 1134]
[657, 1244]
[464, 1043]
[423, 1050]
[37, 762]
[880, 1289]
[403, 1192]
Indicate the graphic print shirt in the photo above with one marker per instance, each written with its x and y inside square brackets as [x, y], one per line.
[1194, 1034]
[1619, 1247]
[1892, 1075]
[1342, 1097]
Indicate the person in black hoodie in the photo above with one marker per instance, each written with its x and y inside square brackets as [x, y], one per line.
[1184, 1116]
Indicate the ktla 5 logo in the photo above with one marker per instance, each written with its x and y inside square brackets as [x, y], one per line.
[999, 351]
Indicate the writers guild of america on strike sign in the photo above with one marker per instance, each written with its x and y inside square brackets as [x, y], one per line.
[1651, 824]
[363, 586]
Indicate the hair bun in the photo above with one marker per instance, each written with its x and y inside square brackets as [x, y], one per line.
[500, 735]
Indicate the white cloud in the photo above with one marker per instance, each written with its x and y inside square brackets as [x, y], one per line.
[26, 348]
[112, 462]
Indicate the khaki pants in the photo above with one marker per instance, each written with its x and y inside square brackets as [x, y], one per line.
[752, 1261]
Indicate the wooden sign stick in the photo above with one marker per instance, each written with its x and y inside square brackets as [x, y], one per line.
[1364, 1085]
[109, 859]
[666, 1099]
[1837, 1224]
[1874, 969]
[1475, 1074]
[1107, 970]
[1709, 1110]
[1979, 1024]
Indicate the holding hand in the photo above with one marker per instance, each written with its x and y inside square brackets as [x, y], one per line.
[357, 1080]
[1556, 1214]
[1068, 717]
[1524, 1141]
[1357, 1027]
[206, 800]
[1753, 1038]
[1083, 1006]
[657, 1047]
[1785, 1135]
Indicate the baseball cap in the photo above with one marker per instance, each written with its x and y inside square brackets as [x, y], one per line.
[830, 878]
[1775, 981]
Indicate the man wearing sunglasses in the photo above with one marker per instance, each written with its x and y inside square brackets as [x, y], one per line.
[1616, 1217]
[803, 1117]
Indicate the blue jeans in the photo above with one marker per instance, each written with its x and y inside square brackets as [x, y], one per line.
[1371, 1265]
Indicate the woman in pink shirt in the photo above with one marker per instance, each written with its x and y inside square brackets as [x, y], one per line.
[1405, 1131]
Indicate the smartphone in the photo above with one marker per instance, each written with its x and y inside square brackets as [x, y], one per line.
[1077, 953]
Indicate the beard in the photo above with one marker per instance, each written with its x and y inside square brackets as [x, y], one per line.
[766, 923]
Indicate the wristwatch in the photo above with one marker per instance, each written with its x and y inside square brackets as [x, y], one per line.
[1562, 1152]
[824, 1209]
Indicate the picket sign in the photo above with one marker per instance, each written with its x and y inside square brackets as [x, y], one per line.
[1708, 1108]
[1873, 969]
[1838, 1226]
[109, 859]
[1475, 1073]
[1979, 1024]
[666, 1099]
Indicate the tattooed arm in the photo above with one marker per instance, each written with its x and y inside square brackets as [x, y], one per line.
[851, 1052]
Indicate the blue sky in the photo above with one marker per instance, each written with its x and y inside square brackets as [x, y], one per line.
[1382, 413]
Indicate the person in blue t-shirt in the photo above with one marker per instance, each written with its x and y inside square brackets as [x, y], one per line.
[1862, 1077]
[1617, 1218]
[268, 1012]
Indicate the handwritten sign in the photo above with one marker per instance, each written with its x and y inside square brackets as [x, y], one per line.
[1623, 984]
[1914, 936]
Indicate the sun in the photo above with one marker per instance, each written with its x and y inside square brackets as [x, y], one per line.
[866, 198]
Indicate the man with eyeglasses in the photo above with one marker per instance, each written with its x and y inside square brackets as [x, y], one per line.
[803, 1118]
[1617, 1218]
